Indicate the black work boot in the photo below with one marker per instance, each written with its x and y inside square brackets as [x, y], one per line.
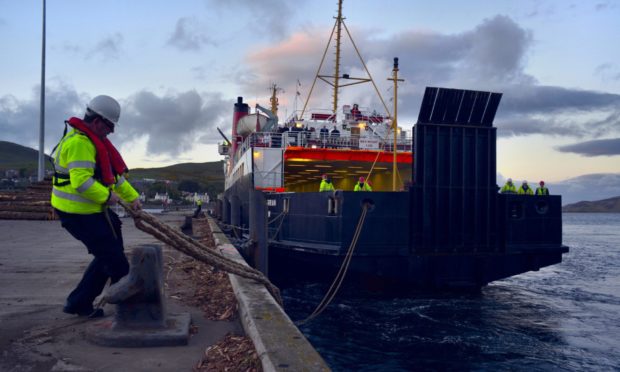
[84, 311]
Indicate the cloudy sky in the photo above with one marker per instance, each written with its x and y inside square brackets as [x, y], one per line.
[177, 68]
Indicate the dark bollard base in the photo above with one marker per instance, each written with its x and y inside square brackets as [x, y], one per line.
[187, 225]
[176, 333]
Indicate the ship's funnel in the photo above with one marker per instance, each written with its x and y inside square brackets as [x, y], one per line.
[241, 110]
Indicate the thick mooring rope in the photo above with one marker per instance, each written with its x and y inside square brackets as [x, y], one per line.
[339, 279]
[193, 248]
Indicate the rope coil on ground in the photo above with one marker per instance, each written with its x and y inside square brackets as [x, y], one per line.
[193, 248]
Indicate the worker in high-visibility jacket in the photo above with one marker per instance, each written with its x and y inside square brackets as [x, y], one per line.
[198, 208]
[89, 176]
[525, 189]
[542, 189]
[362, 185]
[509, 187]
[326, 184]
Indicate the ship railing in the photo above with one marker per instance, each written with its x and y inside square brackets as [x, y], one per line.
[314, 139]
[327, 116]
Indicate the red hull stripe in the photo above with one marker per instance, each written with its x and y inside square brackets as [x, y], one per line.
[346, 155]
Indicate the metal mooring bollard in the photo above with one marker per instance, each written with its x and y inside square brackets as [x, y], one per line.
[141, 318]
[139, 296]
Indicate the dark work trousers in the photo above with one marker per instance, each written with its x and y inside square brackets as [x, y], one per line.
[95, 231]
[197, 211]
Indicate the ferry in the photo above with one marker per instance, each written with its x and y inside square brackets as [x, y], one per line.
[434, 218]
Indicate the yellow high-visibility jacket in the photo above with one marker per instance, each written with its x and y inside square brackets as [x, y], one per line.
[509, 188]
[76, 189]
[524, 191]
[326, 186]
[365, 187]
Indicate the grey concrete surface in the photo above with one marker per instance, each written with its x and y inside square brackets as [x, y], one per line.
[40, 263]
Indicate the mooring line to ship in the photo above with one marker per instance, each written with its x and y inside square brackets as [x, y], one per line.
[339, 279]
[283, 214]
[195, 249]
[280, 216]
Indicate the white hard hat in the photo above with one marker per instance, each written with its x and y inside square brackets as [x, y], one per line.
[525, 182]
[510, 180]
[105, 106]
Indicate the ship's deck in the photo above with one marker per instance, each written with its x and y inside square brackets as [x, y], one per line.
[303, 168]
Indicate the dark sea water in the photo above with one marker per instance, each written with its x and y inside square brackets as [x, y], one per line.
[563, 317]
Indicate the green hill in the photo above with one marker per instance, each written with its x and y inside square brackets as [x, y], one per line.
[209, 175]
[611, 205]
[18, 157]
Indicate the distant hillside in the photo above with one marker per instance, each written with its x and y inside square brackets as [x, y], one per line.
[209, 175]
[14, 156]
[611, 205]
[590, 187]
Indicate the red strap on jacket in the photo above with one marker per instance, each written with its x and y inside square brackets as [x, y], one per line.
[109, 159]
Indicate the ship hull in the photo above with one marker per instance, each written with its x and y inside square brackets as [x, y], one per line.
[290, 265]
[310, 234]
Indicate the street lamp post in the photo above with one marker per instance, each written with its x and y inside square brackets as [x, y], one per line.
[41, 173]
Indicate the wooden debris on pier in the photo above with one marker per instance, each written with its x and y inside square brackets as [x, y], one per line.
[213, 292]
[233, 353]
[33, 203]
[198, 284]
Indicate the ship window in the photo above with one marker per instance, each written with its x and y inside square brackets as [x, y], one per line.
[286, 205]
[515, 210]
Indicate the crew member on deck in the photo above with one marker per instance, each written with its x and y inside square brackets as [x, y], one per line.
[323, 135]
[525, 189]
[333, 136]
[541, 189]
[362, 185]
[355, 111]
[509, 187]
[326, 184]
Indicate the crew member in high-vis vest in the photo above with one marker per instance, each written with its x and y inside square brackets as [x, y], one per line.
[542, 189]
[326, 184]
[89, 176]
[509, 187]
[525, 189]
[362, 185]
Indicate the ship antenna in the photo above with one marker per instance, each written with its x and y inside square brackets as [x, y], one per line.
[395, 79]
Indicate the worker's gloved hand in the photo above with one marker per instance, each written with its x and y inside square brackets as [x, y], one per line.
[136, 205]
[113, 199]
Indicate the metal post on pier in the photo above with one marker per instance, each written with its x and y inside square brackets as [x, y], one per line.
[41, 159]
[258, 230]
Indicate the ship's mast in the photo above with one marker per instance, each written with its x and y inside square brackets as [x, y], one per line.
[334, 80]
[274, 99]
[395, 79]
[339, 20]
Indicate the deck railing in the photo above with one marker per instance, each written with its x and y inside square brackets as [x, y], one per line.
[316, 140]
